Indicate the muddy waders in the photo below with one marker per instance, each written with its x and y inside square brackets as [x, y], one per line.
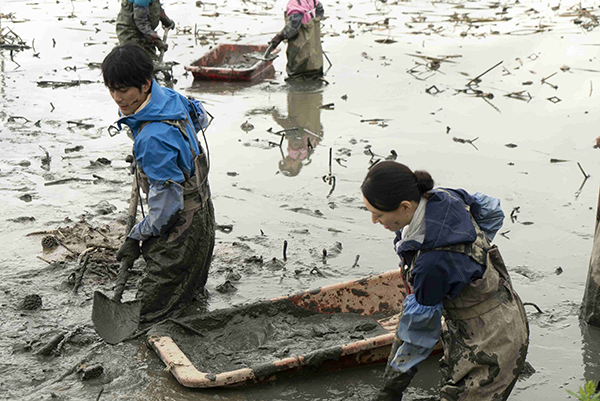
[485, 332]
[127, 32]
[304, 52]
[177, 262]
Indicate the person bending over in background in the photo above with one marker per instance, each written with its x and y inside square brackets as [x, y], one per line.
[449, 269]
[178, 233]
[137, 21]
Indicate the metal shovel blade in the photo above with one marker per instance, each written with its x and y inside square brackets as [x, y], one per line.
[115, 321]
[271, 58]
[267, 54]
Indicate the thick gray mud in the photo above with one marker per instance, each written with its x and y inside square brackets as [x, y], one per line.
[260, 333]
[244, 61]
[397, 89]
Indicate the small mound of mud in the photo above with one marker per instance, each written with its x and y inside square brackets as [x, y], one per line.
[103, 208]
[31, 302]
[253, 335]
[91, 372]
[226, 287]
[22, 219]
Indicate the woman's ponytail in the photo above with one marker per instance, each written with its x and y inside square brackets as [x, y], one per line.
[424, 181]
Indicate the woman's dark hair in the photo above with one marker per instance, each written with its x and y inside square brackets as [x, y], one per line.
[388, 183]
[127, 66]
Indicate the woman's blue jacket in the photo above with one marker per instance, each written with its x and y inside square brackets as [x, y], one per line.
[439, 274]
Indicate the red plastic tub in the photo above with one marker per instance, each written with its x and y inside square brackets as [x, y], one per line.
[231, 62]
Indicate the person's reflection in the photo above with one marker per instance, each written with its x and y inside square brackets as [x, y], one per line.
[305, 131]
[591, 350]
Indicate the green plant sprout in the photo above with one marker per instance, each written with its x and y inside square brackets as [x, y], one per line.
[587, 393]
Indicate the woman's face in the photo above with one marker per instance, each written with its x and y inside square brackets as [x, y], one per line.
[394, 220]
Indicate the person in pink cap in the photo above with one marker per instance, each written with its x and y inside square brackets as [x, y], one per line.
[303, 33]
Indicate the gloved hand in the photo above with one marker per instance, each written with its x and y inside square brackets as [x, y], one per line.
[168, 24]
[166, 21]
[276, 40]
[157, 41]
[394, 384]
[129, 250]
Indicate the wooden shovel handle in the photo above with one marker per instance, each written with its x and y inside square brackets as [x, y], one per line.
[162, 51]
[122, 277]
[127, 263]
[133, 204]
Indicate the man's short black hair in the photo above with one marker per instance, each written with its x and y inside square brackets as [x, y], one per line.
[126, 66]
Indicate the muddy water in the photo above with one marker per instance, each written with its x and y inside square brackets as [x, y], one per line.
[271, 194]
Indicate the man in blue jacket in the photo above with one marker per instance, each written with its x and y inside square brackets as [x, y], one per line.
[177, 235]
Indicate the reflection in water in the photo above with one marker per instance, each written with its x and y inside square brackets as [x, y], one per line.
[591, 351]
[304, 114]
[224, 87]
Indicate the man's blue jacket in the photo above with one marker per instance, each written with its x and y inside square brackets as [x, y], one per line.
[164, 153]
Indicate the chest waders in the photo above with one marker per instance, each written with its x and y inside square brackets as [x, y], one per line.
[485, 332]
[304, 52]
[178, 261]
[127, 31]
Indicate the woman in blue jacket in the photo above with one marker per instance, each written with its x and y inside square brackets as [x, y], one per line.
[177, 235]
[457, 286]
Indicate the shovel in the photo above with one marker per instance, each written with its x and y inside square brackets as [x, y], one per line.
[160, 65]
[164, 39]
[115, 321]
[267, 55]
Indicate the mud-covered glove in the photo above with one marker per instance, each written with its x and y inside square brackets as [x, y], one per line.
[394, 384]
[276, 40]
[168, 24]
[157, 41]
[130, 250]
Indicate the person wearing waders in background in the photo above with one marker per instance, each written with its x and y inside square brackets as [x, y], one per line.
[137, 21]
[303, 34]
[177, 235]
[449, 269]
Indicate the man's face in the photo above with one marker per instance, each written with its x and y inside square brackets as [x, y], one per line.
[130, 98]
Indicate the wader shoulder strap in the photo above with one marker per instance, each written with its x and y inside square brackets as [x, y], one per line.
[198, 164]
[476, 252]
